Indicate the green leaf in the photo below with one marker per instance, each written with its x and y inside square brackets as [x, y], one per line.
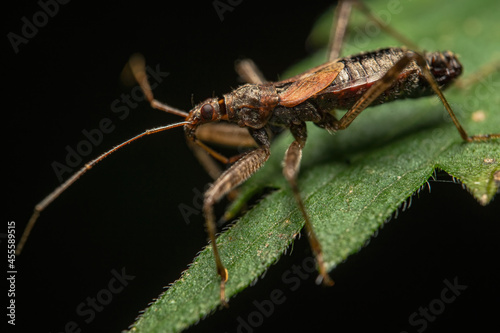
[356, 179]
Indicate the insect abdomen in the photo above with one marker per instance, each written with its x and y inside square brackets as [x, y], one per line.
[362, 70]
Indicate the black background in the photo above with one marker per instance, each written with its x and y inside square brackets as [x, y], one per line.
[124, 213]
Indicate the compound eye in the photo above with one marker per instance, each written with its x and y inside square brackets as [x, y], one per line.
[207, 112]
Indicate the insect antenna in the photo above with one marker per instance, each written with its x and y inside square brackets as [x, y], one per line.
[138, 68]
[54, 194]
[137, 65]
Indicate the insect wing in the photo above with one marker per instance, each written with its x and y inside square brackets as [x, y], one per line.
[309, 84]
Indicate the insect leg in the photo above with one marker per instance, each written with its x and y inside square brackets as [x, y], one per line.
[240, 171]
[384, 26]
[388, 79]
[339, 27]
[249, 72]
[341, 20]
[291, 165]
[223, 134]
[432, 81]
[206, 160]
[138, 67]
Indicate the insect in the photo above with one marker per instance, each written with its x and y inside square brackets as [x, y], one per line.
[260, 109]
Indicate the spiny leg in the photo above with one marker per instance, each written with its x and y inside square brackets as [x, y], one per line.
[388, 80]
[225, 134]
[234, 176]
[291, 166]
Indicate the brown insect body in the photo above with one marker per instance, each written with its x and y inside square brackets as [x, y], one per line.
[322, 90]
[265, 108]
[362, 70]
